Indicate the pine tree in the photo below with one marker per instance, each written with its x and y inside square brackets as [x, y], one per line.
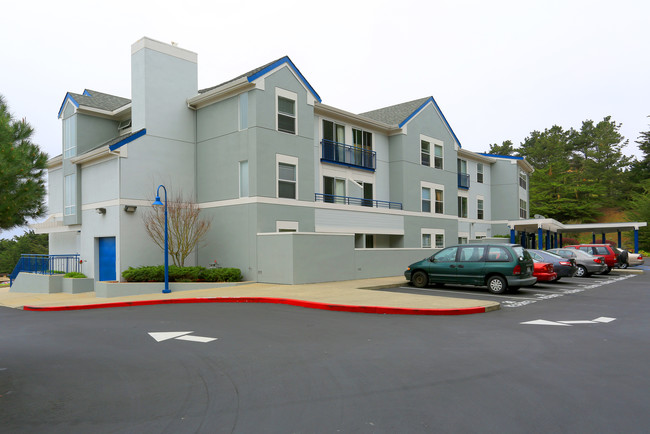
[22, 169]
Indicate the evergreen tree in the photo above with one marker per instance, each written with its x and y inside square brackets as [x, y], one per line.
[506, 149]
[22, 167]
[556, 187]
[640, 170]
[598, 156]
[29, 242]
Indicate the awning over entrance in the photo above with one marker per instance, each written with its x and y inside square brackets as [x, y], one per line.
[531, 229]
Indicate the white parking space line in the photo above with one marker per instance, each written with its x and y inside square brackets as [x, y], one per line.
[526, 296]
[481, 294]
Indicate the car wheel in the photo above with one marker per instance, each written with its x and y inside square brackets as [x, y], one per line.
[497, 285]
[624, 265]
[420, 279]
[606, 271]
[581, 271]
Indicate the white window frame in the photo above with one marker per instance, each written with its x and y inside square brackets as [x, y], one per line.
[433, 187]
[285, 159]
[432, 147]
[286, 226]
[466, 196]
[70, 194]
[279, 92]
[523, 209]
[426, 241]
[70, 137]
[523, 179]
[436, 235]
[442, 157]
[480, 172]
[422, 189]
[243, 193]
[427, 153]
[482, 208]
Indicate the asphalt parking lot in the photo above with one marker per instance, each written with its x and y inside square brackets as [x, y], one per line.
[540, 292]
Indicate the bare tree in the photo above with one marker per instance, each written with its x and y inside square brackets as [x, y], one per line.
[186, 227]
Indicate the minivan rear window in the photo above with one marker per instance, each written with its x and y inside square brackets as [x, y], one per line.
[519, 251]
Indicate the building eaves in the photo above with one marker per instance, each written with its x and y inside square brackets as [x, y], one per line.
[401, 114]
[94, 99]
[255, 74]
[395, 114]
[247, 74]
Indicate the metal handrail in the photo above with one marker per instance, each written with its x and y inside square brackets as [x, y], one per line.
[347, 200]
[45, 264]
[348, 155]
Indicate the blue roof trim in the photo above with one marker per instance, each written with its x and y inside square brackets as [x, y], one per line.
[278, 63]
[512, 157]
[129, 139]
[87, 93]
[70, 98]
[444, 119]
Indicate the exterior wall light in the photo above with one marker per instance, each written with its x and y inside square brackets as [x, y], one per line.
[100, 211]
[130, 208]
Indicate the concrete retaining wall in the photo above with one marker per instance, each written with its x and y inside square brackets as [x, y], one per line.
[37, 283]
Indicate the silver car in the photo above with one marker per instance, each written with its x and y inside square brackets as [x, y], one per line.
[587, 264]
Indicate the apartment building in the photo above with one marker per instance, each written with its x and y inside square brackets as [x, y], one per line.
[297, 191]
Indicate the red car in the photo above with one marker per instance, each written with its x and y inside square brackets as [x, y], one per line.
[604, 251]
[544, 272]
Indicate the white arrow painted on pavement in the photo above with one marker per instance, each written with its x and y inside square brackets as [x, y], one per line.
[544, 322]
[602, 319]
[163, 336]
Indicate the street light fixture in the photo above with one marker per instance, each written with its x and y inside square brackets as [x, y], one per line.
[157, 202]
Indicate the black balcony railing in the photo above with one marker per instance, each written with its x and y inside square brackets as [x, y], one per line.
[346, 200]
[463, 180]
[352, 156]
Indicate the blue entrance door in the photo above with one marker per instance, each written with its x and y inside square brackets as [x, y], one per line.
[107, 258]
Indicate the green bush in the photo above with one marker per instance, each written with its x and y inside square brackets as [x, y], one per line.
[156, 273]
[74, 275]
[221, 275]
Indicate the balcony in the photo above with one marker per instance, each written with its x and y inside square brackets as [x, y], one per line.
[346, 155]
[346, 200]
[463, 181]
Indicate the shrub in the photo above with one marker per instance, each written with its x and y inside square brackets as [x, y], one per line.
[221, 275]
[156, 273]
[74, 275]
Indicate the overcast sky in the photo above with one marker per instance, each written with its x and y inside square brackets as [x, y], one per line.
[498, 69]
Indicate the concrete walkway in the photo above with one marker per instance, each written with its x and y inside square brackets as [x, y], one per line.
[353, 295]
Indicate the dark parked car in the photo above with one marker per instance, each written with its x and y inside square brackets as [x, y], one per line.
[497, 266]
[587, 264]
[605, 251]
[562, 266]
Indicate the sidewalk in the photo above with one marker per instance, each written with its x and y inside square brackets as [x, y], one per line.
[351, 296]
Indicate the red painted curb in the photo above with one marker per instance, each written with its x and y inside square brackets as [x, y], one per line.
[270, 300]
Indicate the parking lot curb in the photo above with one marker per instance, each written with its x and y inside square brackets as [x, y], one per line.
[272, 300]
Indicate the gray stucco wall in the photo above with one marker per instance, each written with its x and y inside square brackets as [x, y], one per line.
[92, 131]
[505, 189]
[55, 191]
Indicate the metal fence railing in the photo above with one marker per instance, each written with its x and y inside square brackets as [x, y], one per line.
[45, 264]
[347, 155]
[347, 200]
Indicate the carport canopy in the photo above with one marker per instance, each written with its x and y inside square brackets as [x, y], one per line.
[539, 226]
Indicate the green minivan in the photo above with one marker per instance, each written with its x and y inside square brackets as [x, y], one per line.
[498, 266]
